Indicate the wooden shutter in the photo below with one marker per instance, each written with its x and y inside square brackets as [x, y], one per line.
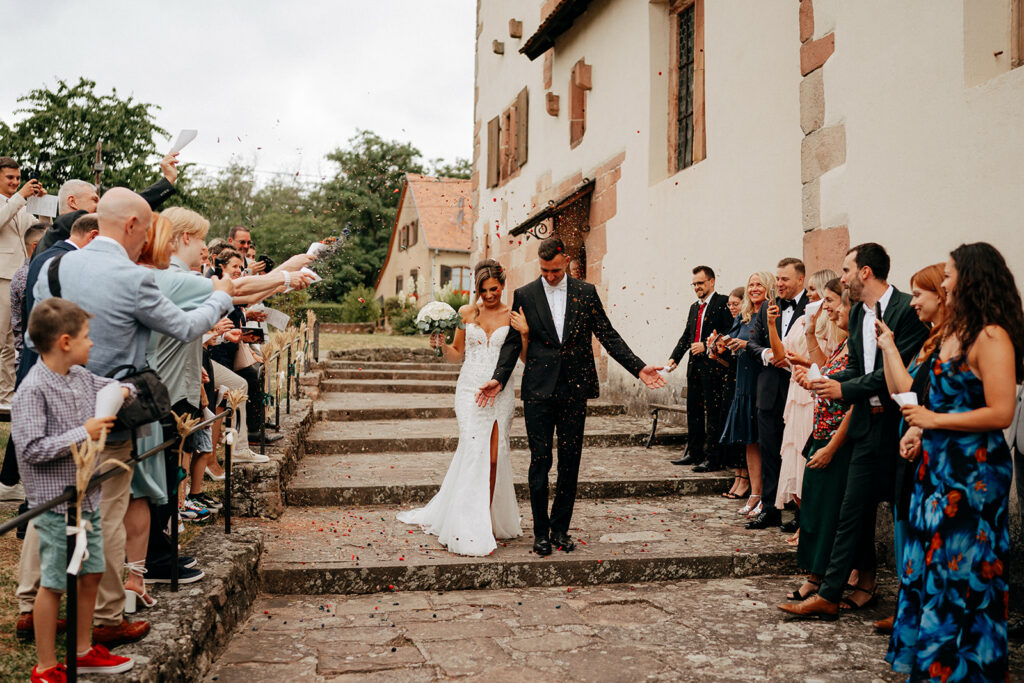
[522, 121]
[493, 151]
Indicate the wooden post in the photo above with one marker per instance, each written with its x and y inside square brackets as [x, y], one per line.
[98, 165]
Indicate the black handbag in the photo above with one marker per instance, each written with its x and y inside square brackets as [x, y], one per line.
[152, 400]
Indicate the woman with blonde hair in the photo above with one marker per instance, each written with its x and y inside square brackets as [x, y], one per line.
[741, 423]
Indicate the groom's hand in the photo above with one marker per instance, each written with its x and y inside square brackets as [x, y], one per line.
[488, 392]
[649, 376]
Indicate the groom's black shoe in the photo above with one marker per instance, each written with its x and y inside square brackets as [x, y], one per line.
[541, 546]
[708, 465]
[563, 542]
[689, 458]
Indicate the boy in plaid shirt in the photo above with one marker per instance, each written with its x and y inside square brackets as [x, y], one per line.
[53, 408]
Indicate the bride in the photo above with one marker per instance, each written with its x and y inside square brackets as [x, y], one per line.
[477, 502]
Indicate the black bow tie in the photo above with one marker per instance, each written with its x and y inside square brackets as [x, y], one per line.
[787, 303]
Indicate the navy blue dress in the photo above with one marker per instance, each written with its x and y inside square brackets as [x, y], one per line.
[741, 423]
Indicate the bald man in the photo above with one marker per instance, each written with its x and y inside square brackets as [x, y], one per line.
[126, 306]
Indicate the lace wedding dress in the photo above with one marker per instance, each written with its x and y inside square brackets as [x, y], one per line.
[461, 515]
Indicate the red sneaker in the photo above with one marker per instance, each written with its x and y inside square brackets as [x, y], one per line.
[98, 660]
[55, 674]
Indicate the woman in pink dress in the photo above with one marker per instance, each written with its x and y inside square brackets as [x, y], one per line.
[799, 410]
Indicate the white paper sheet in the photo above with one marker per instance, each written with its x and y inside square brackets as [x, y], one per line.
[42, 206]
[315, 248]
[309, 271]
[812, 307]
[907, 398]
[277, 318]
[109, 400]
[814, 373]
[184, 137]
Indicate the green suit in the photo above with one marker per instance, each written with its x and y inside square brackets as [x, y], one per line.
[874, 433]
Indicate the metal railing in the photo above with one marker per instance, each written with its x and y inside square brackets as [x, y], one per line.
[70, 494]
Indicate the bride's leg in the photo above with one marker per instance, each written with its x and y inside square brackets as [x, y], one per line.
[494, 457]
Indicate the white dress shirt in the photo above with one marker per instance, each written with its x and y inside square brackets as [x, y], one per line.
[868, 330]
[556, 297]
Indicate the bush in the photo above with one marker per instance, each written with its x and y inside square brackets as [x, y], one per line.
[291, 303]
[394, 305]
[455, 299]
[404, 322]
[325, 313]
[359, 306]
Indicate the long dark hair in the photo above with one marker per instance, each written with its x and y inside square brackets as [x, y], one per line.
[985, 294]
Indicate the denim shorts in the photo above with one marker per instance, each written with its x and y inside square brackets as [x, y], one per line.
[200, 442]
[53, 546]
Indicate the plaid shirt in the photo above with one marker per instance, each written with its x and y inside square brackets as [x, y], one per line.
[18, 283]
[48, 414]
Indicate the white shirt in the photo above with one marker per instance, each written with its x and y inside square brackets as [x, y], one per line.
[868, 330]
[73, 244]
[556, 297]
[786, 315]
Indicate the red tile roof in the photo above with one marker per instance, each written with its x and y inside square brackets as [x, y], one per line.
[443, 207]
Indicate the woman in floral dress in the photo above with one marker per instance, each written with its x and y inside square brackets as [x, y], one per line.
[952, 606]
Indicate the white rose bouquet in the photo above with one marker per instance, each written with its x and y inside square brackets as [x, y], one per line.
[437, 318]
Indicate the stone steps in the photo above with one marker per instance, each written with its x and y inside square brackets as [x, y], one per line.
[348, 407]
[419, 435]
[384, 365]
[397, 479]
[390, 375]
[364, 549]
[398, 386]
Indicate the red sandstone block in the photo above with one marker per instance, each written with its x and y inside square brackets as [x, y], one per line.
[806, 20]
[814, 53]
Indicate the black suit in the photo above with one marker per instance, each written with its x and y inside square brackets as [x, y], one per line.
[558, 379]
[772, 389]
[874, 432]
[706, 379]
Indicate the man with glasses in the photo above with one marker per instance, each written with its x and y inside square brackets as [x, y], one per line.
[240, 239]
[706, 380]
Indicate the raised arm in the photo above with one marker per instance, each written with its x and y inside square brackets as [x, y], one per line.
[160, 314]
[897, 378]
[910, 334]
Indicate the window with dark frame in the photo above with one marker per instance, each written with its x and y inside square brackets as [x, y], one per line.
[398, 286]
[684, 111]
[446, 275]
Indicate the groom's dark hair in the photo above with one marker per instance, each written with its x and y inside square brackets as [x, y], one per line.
[550, 248]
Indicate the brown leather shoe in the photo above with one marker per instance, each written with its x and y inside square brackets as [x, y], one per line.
[885, 625]
[26, 628]
[125, 632]
[813, 607]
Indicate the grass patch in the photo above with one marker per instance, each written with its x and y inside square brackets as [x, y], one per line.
[344, 342]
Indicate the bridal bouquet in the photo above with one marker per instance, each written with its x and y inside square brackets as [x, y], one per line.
[437, 318]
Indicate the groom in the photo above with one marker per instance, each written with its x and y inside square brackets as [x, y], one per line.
[562, 313]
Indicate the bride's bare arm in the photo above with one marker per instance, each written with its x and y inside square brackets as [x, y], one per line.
[456, 351]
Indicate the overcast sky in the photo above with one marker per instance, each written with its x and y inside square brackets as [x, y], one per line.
[280, 84]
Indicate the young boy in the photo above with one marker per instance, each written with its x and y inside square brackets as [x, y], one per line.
[53, 408]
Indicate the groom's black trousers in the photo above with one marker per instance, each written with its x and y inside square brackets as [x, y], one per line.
[566, 416]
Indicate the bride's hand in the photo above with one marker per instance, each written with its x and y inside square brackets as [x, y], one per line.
[518, 321]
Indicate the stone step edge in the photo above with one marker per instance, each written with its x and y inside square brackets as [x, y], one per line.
[328, 414]
[294, 578]
[298, 495]
[342, 445]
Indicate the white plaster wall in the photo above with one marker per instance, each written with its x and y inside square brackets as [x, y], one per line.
[930, 162]
[737, 211]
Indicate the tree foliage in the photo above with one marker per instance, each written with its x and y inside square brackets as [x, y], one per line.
[60, 127]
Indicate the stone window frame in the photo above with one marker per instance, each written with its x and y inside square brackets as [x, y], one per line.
[579, 84]
[699, 145]
[508, 141]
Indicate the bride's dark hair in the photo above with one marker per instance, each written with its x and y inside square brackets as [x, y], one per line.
[487, 269]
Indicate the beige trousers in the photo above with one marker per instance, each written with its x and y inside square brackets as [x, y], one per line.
[221, 375]
[110, 598]
[7, 356]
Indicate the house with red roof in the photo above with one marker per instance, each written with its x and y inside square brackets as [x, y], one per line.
[430, 241]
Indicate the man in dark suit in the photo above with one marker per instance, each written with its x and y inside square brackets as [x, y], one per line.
[773, 383]
[705, 379]
[563, 314]
[874, 425]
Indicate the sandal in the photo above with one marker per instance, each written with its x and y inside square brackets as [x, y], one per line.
[795, 595]
[736, 496]
[746, 509]
[849, 605]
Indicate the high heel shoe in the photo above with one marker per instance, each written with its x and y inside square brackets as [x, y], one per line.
[738, 494]
[746, 509]
[132, 598]
[756, 511]
[213, 476]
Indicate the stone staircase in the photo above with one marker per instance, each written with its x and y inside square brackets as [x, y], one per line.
[382, 441]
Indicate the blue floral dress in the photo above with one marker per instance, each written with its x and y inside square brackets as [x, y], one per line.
[953, 600]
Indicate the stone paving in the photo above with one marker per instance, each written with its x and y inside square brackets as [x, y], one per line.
[692, 630]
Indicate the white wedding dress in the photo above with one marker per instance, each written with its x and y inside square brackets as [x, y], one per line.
[461, 515]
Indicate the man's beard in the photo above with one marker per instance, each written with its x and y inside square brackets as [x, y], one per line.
[856, 288]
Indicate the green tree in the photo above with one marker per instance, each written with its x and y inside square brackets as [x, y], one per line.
[60, 127]
[460, 168]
